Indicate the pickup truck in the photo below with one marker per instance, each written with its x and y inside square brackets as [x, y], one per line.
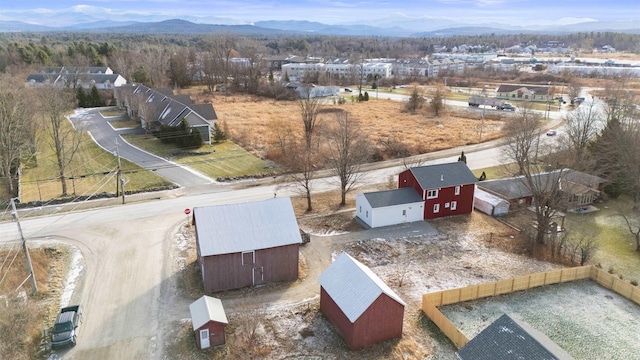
[65, 329]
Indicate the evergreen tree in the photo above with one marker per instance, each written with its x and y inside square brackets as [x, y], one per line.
[462, 158]
[366, 96]
[95, 100]
[81, 96]
[218, 134]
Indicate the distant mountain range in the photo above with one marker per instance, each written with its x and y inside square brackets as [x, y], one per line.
[385, 27]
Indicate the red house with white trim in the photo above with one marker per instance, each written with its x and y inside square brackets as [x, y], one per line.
[447, 189]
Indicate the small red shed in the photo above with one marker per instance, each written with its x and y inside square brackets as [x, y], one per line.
[447, 189]
[209, 321]
[364, 310]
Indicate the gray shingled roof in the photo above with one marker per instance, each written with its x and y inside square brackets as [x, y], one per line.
[443, 175]
[205, 110]
[516, 188]
[233, 228]
[379, 199]
[510, 339]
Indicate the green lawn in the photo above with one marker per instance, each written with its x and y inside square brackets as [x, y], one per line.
[615, 242]
[124, 124]
[113, 112]
[225, 159]
[40, 180]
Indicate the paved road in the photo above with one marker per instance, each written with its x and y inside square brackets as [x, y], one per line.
[105, 136]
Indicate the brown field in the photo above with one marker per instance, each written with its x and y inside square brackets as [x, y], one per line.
[253, 121]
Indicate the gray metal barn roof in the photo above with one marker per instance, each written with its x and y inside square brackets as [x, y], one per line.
[353, 286]
[232, 228]
[379, 199]
[443, 175]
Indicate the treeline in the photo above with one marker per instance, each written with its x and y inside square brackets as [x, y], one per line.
[58, 49]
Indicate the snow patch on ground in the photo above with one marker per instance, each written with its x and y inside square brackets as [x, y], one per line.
[76, 267]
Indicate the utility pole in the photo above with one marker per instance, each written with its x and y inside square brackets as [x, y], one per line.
[34, 287]
[484, 105]
[118, 174]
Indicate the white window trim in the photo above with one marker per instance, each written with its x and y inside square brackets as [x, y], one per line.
[253, 253]
[436, 208]
[434, 191]
[457, 191]
[454, 205]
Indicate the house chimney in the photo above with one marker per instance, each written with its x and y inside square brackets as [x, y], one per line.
[442, 177]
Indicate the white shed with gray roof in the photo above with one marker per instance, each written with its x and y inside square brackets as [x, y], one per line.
[389, 207]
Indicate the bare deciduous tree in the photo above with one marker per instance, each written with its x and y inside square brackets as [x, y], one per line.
[437, 99]
[533, 164]
[17, 129]
[633, 224]
[310, 108]
[65, 140]
[581, 128]
[347, 148]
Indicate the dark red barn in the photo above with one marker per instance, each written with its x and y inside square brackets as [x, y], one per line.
[447, 189]
[364, 310]
[247, 244]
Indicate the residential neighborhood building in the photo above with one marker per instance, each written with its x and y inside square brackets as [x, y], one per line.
[209, 321]
[156, 107]
[247, 244]
[580, 189]
[389, 207]
[102, 78]
[508, 338]
[447, 189]
[524, 93]
[363, 309]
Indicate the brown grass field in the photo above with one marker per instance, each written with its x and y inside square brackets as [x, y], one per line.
[252, 122]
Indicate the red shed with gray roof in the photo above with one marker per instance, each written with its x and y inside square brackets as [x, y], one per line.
[209, 321]
[247, 244]
[363, 309]
[447, 189]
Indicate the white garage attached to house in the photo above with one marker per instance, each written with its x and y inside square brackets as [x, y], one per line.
[389, 207]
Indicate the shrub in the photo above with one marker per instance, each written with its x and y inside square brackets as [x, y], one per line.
[611, 270]
[634, 282]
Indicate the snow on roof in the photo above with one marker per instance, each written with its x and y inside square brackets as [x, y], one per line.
[353, 286]
[232, 228]
[207, 309]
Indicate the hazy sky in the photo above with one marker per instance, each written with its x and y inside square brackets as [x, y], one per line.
[515, 12]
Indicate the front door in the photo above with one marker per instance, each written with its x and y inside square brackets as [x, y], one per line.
[204, 339]
[257, 277]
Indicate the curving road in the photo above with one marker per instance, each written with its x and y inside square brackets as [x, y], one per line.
[106, 136]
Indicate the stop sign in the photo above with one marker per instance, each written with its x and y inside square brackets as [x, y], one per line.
[187, 211]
